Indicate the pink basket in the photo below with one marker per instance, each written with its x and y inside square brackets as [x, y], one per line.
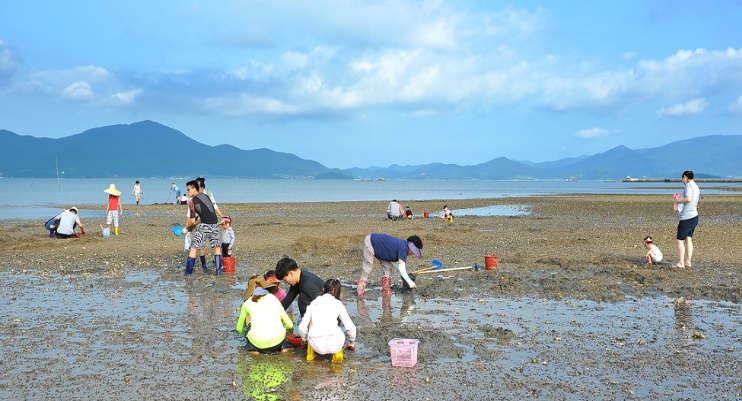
[404, 352]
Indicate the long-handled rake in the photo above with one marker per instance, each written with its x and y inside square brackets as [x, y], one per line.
[474, 268]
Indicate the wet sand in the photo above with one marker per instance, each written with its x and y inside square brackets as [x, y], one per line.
[571, 312]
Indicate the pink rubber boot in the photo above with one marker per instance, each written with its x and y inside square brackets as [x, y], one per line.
[361, 287]
[386, 285]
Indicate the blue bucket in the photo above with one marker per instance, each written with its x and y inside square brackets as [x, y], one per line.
[106, 232]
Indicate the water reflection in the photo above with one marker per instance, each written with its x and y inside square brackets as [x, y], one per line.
[406, 310]
[683, 332]
[263, 375]
[205, 311]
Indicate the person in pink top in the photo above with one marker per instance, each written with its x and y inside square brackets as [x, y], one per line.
[270, 276]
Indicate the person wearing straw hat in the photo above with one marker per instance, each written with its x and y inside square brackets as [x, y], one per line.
[265, 316]
[390, 251]
[113, 207]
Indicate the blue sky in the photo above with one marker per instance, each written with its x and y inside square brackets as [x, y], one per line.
[373, 83]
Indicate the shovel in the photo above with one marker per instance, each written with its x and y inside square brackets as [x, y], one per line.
[436, 265]
[474, 268]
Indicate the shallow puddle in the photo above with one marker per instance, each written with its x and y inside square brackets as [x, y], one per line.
[152, 335]
[495, 210]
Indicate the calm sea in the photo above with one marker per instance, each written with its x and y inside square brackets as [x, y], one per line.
[38, 198]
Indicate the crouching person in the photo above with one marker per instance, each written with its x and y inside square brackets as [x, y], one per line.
[319, 326]
[266, 318]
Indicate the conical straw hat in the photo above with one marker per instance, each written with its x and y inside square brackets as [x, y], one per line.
[112, 190]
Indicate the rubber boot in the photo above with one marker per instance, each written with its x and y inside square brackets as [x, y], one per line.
[361, 287]
[52, 232]
[337, 357]
[189, 266]
[218, 263]
[203, 263]
[116, 231]
[310, 353]
[386, 285]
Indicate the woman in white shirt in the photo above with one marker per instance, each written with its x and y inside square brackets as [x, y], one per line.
[319, 326]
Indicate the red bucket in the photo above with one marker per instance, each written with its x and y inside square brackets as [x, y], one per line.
[228, 264]
[427, 215]
[490, 262]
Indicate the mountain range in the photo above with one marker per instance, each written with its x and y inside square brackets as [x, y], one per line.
[150, 149]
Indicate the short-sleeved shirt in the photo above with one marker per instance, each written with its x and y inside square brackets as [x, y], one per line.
[388, 248]
[394, 209]
[67, 221]
[690, 209]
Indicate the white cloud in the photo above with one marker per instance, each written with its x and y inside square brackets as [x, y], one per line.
[349, 56]
[683, 74]
[689, 72]
[8, 61]
[592, 133]
[294, 60]
[628, 56]
[88, 73]
[127, 97]
[690, 107]
[245, 105]
[736, 107]
[78, 91]
[594, 91]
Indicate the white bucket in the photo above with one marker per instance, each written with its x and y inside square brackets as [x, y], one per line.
[106, 232]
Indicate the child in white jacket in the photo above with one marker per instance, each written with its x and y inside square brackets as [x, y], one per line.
[319, 326]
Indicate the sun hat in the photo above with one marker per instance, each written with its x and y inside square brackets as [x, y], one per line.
[273, 280]
[74, 208]
[226, 219]
[258, 282]
[647, 240]
[259, 291]
[112, 190]
[414, 249]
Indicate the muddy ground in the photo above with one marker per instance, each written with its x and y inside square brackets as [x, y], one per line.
[571, 312]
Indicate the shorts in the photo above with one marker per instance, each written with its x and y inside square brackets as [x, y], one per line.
[206, 232]
[686, 228]
[113, 217]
